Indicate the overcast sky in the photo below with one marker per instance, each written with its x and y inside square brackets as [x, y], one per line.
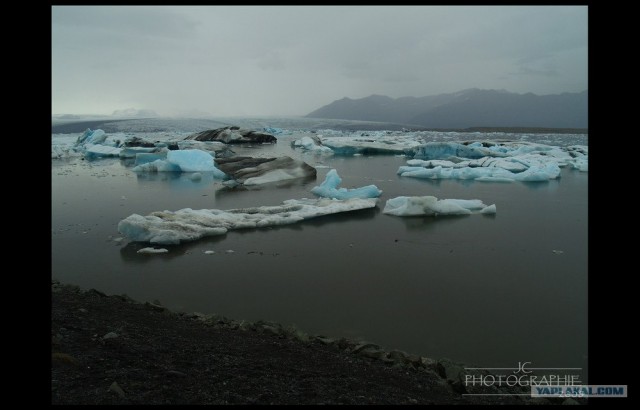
[287, 60]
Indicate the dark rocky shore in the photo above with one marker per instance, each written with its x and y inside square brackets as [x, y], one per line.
[113, 350]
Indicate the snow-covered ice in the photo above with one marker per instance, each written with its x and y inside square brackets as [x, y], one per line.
[329, 189]
[430, 205]
[167, 227]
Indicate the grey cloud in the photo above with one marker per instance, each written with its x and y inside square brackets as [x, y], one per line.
[233, 60]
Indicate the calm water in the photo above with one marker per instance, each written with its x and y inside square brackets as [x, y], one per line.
[487, 290]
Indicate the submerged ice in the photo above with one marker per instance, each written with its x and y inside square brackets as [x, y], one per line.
[432, 206]
[166, 227]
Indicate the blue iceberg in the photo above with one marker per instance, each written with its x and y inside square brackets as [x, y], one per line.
[329, 189]
[91, 137]
[444, 150]
[189, 160]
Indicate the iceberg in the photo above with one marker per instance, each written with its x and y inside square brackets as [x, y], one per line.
[131, 152]
[234, 135]
[276, 131]
[153, 250]
[432, 206]
[143, 158]
[91, 137]
[190, 160]
[329, 189]
[444, 150]
[311, 144]
[215, 148]
[257, 171]
[506, 162]
[92, 151]
[167, 228]
[376, 144]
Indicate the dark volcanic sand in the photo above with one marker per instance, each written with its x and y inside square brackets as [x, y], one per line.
[160, 357]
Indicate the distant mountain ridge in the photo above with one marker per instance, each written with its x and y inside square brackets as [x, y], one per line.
[465, 109]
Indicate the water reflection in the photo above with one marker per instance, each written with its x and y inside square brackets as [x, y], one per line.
[287, 184]
[178, 180]
[413, 223]
[549, 185]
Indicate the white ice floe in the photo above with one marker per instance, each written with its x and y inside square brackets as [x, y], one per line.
[497, 162]
[329, 189]
[153, 250]
[373, 144]
[430, 205]
[167, 227]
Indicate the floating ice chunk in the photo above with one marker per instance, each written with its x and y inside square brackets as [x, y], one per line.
[408, 206]
[153, 250]
[196, 176]
[233, 135]
[257, 171]
[444, 150]
[489, 210]
[216, 148]
[312, 144]
[276, 175]
[430, 205]
[276, 131]
[166, 227]
[92, 137]
[431, 163]
[532, 168]
[510, 164]
[192, 160]
[372, 144]
[158, 165]
[209, 252]
[581, 164]
[143, 158]
[131, 152]
[96, 151]
[329, 189]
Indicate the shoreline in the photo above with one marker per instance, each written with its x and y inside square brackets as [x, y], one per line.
[111, 349]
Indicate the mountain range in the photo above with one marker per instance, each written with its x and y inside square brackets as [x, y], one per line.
[466, 109]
